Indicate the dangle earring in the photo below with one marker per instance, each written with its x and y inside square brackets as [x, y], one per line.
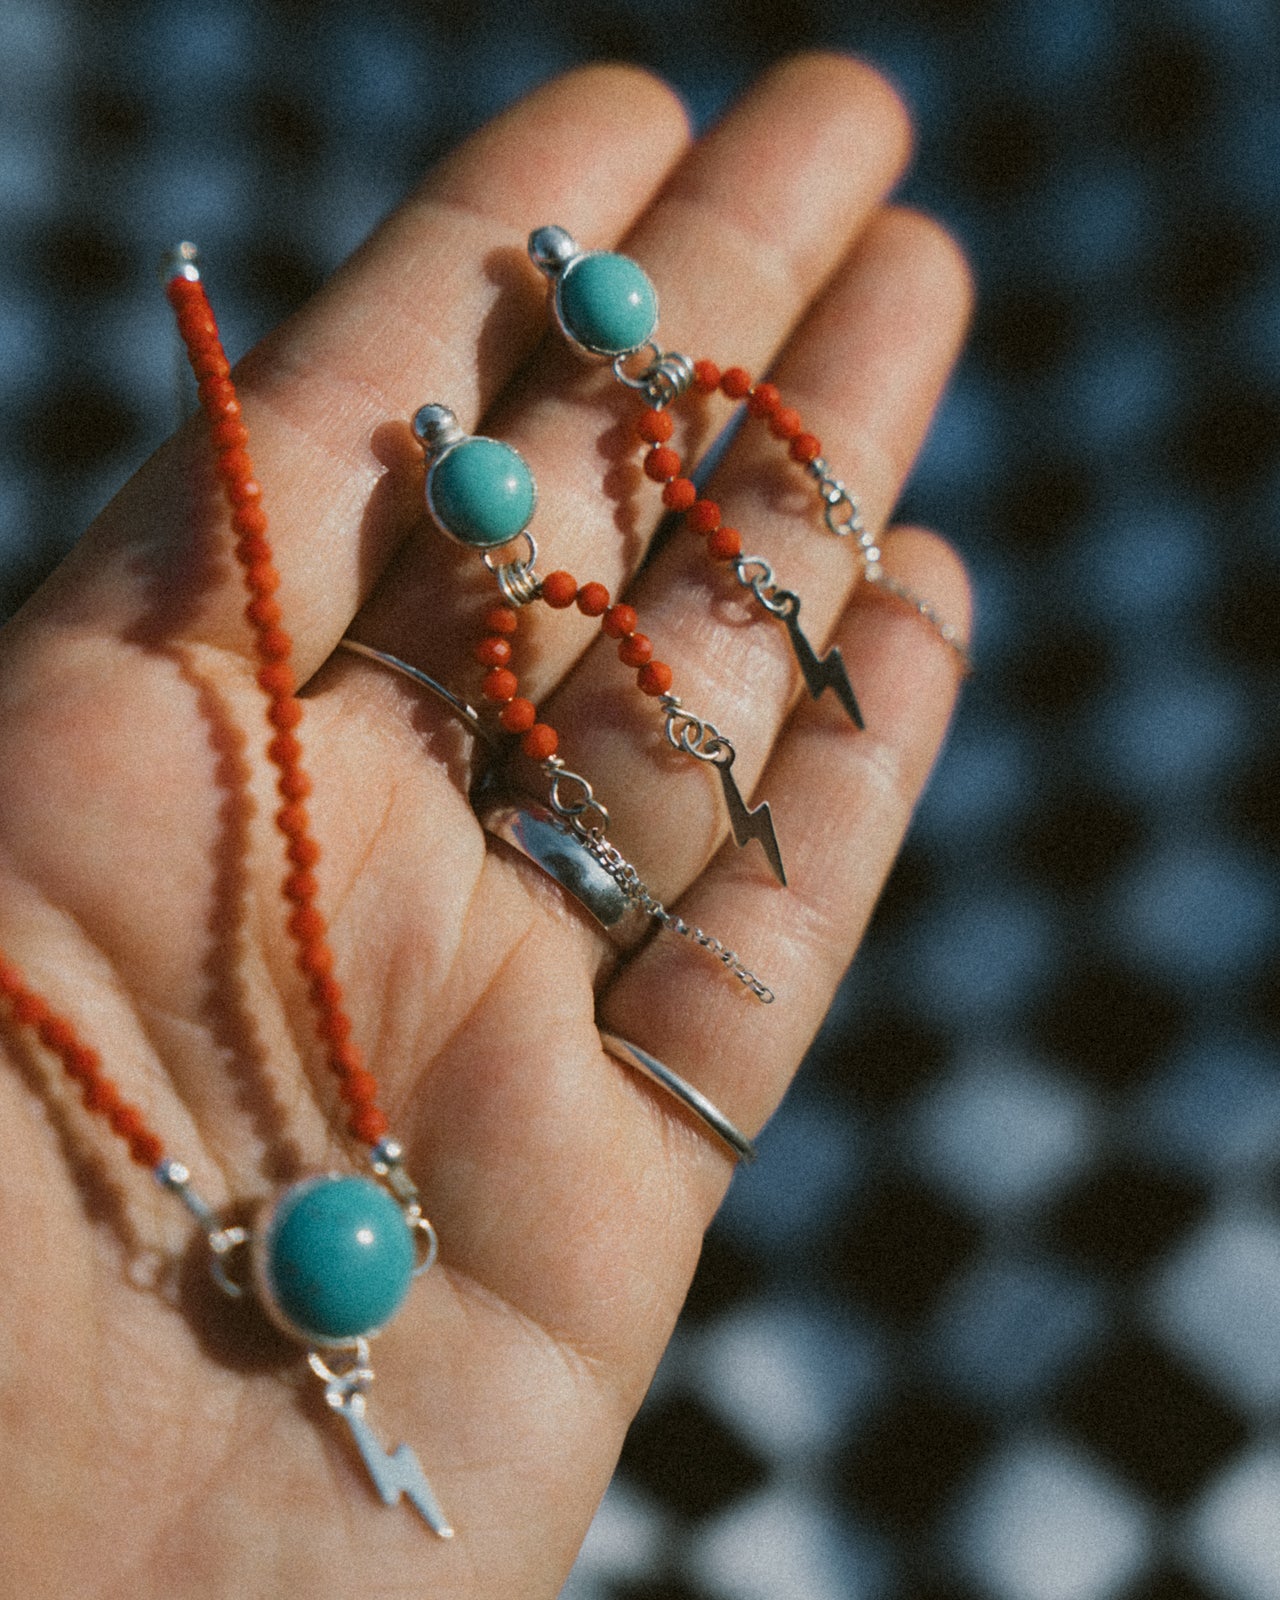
[607, 308]
[333, 1257]
[481, 493]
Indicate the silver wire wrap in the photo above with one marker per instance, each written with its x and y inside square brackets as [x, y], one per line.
[516, 579]
[710, 1114]
[667, 376]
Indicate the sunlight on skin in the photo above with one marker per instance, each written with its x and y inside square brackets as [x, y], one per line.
[154, 1435]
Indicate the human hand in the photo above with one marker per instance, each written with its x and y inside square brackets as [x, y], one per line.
[154, 1440]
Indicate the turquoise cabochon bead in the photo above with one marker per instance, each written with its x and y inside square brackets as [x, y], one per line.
[607, 303]
[335, 1259]
[481, 492]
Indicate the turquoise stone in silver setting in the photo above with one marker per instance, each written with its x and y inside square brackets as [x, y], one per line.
[481, 492]
[605, 303]
[333, 1259]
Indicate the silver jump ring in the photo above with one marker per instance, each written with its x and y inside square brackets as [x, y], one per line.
[642, 380]
[340, 1387]
[516, 579]
[223, 1243]
[707, 1112]
[429, 1245]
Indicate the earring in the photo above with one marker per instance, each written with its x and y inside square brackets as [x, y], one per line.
[481, 493]
[607, 308]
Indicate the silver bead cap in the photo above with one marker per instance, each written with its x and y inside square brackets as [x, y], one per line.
[436, 429]
[183, 261]
[551, 249]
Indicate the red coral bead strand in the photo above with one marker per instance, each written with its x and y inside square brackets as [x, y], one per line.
[663, 464]
[763, 401]
[494, 650]
[679, 494]
[82, 1064]
[618, 622]
[273, 647]
[538, 740]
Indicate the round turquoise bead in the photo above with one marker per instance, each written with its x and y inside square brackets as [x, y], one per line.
[335, 1259]
[606, 303]
[481, 492]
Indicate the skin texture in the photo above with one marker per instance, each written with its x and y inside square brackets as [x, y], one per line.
[156, 1439]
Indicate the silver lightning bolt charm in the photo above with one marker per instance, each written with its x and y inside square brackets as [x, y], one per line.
[748, 824]
[704, 742]
[393, 1475]
[819, 674]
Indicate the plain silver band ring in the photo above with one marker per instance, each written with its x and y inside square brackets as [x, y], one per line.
[631, 1055]
[459, 707]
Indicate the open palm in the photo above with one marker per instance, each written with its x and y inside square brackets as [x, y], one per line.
[156, 1438]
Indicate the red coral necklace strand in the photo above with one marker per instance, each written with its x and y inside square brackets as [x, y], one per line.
[334, 1255]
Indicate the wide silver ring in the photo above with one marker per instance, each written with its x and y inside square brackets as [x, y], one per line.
[539, 835]
[707, 1112]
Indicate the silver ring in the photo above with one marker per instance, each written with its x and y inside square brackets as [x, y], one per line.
[631, 1055]
[542, 838]
[459, 707]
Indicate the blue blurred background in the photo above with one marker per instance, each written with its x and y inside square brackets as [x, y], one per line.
[997, 1315]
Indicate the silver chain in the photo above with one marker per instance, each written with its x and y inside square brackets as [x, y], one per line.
[572, 799]
[840, 509]
[946, 631]
[844, 517]
[639, 894]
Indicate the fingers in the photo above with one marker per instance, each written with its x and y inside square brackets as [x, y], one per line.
[618, 1159]
[745, 232]
[866, 369]
[441, 299]
[849, 798]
